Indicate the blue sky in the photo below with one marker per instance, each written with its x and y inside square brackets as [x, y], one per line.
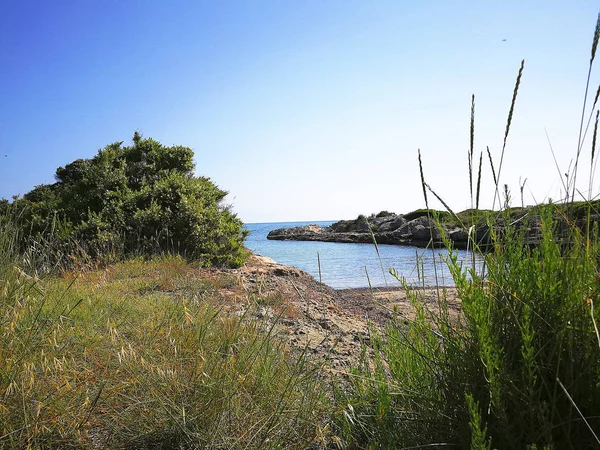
[302, 110]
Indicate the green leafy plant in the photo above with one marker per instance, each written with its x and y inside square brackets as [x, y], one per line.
[142, 199]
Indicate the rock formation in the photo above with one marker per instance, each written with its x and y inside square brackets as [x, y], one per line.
[387, 229]
[417, 229]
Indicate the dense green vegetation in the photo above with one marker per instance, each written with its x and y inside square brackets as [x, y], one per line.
[519, 367]
[142, 199]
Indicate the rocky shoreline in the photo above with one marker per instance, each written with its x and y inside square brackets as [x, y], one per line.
[309, 315]
[390, 228]
[420, 230]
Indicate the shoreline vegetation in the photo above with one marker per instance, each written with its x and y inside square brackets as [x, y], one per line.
[132, 317]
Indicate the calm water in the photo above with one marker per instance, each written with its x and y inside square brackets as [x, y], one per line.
[347, 265]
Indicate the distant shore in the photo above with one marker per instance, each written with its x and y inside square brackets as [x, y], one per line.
[417, 229]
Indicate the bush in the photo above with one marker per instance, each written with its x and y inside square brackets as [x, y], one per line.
[444, 216]
[522, 364]
[143, 199]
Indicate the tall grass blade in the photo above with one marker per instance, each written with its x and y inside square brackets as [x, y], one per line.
[508, 123]
[577, 408]
[424, 186]
[478, 181]
[594, 321]
[423, 181]
[589, 121]
[492, 166]
[560, 174]
[521, 188]
[378, 255]
[369, 280]
[441, 200]
[319, 264]
[592, 162]
[596, 38]
[437, 284]
[471, 141]
[587, 86]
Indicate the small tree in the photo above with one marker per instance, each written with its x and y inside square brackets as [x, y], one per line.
[141, 199]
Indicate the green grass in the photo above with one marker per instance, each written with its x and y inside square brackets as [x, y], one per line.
[140, 355]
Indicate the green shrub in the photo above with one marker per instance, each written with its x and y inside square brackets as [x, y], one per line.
[522, 363]
[444, 216]
[143, 199]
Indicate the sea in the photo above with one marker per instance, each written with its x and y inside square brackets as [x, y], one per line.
[351, 266]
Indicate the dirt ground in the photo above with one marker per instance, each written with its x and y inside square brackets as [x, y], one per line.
[328, 322]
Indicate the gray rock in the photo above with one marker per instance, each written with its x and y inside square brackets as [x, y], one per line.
[393, 224]
[458, 235]
[421, 233]
[423, 229]
[404, 232]
[306, 232]
[362, 225]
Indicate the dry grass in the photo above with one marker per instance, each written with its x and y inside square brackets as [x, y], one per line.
[138, 355]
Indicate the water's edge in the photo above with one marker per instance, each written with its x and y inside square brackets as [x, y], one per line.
[353, 266]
